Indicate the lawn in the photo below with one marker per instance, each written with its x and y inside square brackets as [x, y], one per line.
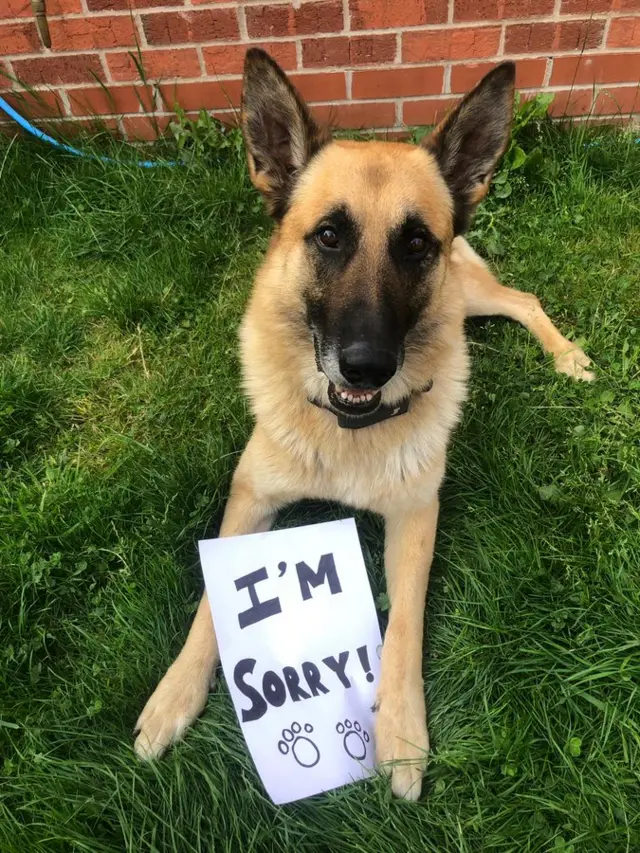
[121, 419]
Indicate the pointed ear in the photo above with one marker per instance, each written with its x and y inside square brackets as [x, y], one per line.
[279, 132]
[469, 142]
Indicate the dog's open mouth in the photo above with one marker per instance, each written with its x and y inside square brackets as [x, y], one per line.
[354, 401]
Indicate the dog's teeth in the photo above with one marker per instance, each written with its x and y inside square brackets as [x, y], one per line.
[344, 395]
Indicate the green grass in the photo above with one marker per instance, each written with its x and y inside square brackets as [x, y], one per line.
[121, 419]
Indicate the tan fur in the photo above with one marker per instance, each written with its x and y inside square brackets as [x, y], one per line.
[394, 468]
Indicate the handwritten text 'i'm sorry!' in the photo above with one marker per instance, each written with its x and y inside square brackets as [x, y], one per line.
[299, 642]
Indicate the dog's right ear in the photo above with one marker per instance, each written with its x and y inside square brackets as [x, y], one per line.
[469, 142]
[279, 132]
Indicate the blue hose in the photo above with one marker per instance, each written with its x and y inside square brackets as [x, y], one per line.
[39, 134]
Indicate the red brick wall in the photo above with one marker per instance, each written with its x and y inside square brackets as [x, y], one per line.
[361, 63]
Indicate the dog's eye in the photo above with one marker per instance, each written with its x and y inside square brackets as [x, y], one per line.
[328, 238]
[417, 245]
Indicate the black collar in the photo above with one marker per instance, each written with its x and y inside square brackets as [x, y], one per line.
[382, 413]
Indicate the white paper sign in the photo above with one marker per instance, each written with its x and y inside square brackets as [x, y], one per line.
[300, 647]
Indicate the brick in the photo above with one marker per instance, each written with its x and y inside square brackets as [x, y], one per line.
[108, 5]
[34, 104]
[356, 116]
[418, 113]
[397, 82]
[372, 50]
[529, 38]
[71, 127]
[321, 87]
[442, 45]
[359, 50]
[529, 74]
[577, 7]
[207, 95]
[551, 38]
[151, 4]
[475, 10]
[601, 68]
[388, 14]
[526, 8]
[199, 26]
[115, 100]
[573, 7]
[92, 32]
[269, 21]
[17, 9]
[230, 118]
[52, 70]
[156, 64]
[64, 7]
[491, 10]
[229, 58]
[125, 5]
[145, 129]
[323, 17]
[325, 52]
[96, 125]
[619, 100]
[19, 38]
[571, 102]
[624, 32]
[547, 37]
[22, 8]
[579, 35]
[309, 18]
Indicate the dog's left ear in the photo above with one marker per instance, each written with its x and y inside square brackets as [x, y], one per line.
[469, 142]
[279, 131]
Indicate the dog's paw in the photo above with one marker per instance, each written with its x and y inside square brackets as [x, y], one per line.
[402, 741]
[176, 702]
[574, 363]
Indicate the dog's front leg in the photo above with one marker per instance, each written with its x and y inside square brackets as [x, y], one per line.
[181, 695]
[401, 724]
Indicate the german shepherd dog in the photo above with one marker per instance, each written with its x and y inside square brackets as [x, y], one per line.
[355, 362]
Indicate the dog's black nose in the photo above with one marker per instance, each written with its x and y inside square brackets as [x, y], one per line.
[364, 366]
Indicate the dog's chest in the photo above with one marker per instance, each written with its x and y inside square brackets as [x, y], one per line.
[382, 467]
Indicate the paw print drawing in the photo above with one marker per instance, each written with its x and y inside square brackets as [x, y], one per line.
[302, 748]
[355, 739]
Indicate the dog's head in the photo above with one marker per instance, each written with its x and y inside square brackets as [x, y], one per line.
[365, 228]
